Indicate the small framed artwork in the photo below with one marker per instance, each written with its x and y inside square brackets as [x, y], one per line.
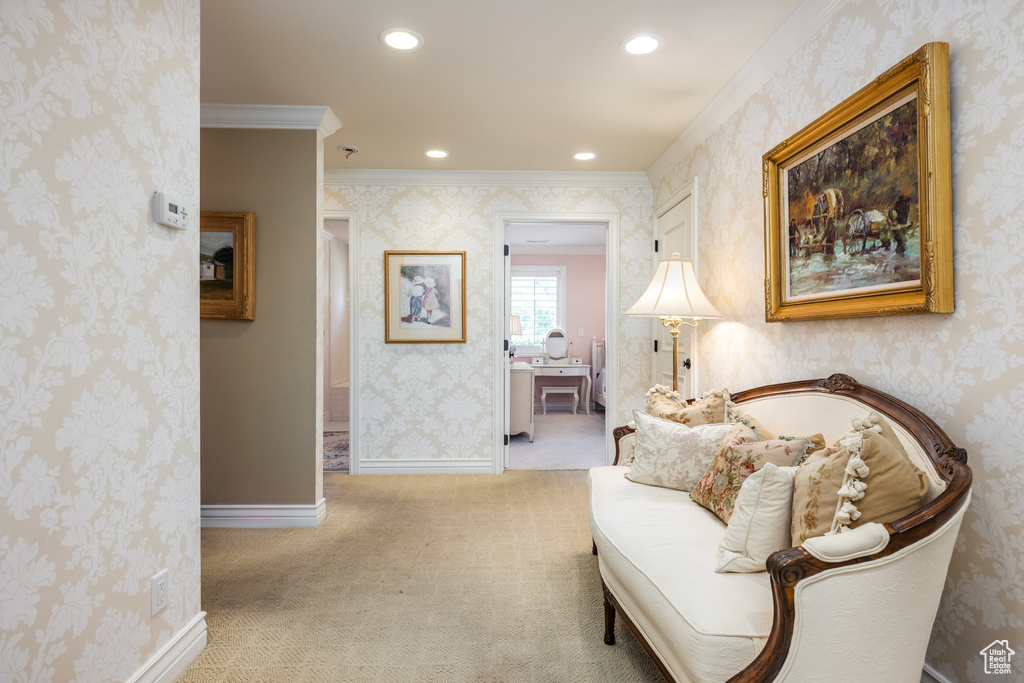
[226, 263]
[424, 297]
[858, 208]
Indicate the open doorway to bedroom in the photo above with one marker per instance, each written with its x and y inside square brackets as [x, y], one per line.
[556, 299]
[337, 315]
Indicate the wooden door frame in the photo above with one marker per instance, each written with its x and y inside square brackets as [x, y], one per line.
[689, 190]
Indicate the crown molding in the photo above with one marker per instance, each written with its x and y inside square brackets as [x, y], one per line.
[539, 249]
[339, 176]
[790, 36]
[269, 116]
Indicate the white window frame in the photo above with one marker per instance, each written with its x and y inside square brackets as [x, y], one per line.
[527, 271]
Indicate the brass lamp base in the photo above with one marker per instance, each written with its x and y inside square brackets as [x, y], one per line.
[673, 324]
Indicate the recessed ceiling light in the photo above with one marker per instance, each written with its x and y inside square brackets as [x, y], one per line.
[436, 153]
[641, 44]
[401, 39]
[584, 156]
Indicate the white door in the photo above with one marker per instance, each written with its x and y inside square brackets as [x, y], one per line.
[508, 366]
[675, 234]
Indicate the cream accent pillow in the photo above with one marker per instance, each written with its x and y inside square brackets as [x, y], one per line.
[760, 522]
[667, 404]
[672, 455]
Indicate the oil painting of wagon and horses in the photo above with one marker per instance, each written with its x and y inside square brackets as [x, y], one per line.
[853, 212]
[858, 207]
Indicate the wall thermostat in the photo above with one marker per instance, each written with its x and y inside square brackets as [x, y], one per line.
[168, 210]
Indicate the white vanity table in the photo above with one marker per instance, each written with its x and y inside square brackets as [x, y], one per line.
[559, 364]
[567, 370]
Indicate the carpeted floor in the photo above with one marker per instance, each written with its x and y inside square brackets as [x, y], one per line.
[561, 441]
[441, 578]
[336, 451]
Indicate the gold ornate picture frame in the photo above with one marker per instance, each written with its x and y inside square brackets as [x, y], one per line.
[424, 297]
[858, 207]
[227, 260]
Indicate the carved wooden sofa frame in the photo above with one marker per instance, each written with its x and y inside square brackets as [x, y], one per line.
[788, 567]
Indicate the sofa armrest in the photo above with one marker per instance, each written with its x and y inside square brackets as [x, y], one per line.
[864, 540]
[624, 438]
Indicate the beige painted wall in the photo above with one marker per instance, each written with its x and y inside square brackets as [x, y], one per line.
[261, 379]
[966, 370]
[99, 330]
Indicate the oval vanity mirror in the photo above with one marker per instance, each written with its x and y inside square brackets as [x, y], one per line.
[556, 345]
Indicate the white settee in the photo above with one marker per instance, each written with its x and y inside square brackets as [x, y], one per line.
[853, 607]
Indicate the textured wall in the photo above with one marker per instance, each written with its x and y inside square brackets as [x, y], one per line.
[433, 401]
[99, 330]
[964, 369]
[260, 378]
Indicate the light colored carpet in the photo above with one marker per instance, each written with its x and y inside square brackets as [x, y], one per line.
[475, 578]
[561, 441]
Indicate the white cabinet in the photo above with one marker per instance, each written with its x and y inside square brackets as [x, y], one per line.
[521, 400]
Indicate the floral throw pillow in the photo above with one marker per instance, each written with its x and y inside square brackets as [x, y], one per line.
[738, 457]
[712, 408]
[672, 455]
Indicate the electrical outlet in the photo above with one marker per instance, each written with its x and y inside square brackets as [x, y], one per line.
[159, 588]
[579, 332]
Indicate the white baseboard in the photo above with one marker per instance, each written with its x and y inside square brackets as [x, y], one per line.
[263, 516]
[174, 657]
[474, 466]
[930, 675]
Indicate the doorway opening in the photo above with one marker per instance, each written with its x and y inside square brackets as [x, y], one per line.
[556, 302]
[336, 340]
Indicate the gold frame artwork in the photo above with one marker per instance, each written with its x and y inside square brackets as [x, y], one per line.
[241, 305]
[922, 78]
[447, 271]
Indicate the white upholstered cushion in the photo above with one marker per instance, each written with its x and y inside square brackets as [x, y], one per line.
[658, 551]
[760, 522]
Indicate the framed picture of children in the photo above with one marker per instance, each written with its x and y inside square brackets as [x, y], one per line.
[424, 297]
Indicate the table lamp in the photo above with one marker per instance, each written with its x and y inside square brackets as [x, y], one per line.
[515, 327]
[674, 296]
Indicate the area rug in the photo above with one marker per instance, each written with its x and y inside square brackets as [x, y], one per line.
[336, 452]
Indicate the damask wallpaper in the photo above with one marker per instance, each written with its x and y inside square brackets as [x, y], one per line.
[99, 329]
[434, 401]
[966, 369]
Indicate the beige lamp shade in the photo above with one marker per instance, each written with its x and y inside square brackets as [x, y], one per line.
[515, 325]
[674, 293]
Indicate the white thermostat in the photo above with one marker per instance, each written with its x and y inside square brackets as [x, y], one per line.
[168, 210]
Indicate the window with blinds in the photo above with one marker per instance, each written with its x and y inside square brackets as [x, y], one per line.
[538, 298]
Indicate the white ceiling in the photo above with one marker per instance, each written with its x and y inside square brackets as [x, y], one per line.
[537, 237]
[501, 85]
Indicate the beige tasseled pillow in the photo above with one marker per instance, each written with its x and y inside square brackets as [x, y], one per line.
[864, 477]
[666, 404]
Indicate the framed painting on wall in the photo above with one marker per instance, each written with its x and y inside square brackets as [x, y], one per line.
[858, 209]
[226, 264]
[424, 297]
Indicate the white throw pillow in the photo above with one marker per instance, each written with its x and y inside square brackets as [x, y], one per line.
[672, 455]
[760, 522]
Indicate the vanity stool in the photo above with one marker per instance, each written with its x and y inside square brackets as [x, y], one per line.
[559, 390]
